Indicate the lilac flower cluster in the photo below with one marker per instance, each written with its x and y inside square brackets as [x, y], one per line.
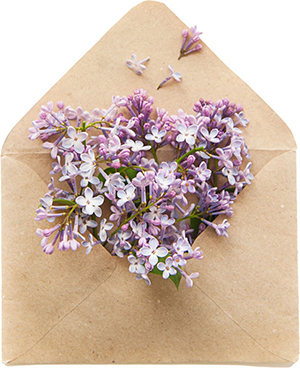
[191, 45]
[157, 209]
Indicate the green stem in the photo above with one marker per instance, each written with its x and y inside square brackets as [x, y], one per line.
[68, 216]
[95, 228]
[189, 217]
[152, 148]
[90, 125]
[133, 216]
[154, 153]
[190, 153]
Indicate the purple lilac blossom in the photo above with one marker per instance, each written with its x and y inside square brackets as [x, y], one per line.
[156, 208]
[191, 45]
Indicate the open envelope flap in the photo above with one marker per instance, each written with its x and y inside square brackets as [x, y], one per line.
[68, 308]
[252, 275]
[243, 307]
[37, 291]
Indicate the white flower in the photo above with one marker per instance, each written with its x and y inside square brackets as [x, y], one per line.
[165, 221]
[187, 134]
[104, 227]
[188, 186]
[87, 177]
[116, 214]
[136, 265]
[118, 128]
[34, 131]
[126, 195]
[178, 260]
[114, 181]
[137, 66]
[154, 213]
[84, 223]
[139, 229]
[203, 172]
[188, 278]
[210, 136]
[90, 205]
[156, 134]
[167, 268]
[47, 201]
[153, 251]
[136, 146]
[113, 144]
[122, 239]
[75, 140]
[221, 229]
[69, 168]
[169, 167]
[143, 277]
[240, 119]
[181, 246]
[117, 250]
[230, 173]
[164, 178]
[175, 75]
[89, 163]
[88, 244]
[230, 128]
[246, 174]
[195, 32]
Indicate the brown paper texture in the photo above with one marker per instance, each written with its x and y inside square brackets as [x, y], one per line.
[73, 308]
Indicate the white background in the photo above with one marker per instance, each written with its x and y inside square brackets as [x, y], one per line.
[41, 40]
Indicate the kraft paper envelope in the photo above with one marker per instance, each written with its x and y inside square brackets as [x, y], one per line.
[73, 308]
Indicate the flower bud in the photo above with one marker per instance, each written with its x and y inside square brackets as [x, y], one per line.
[102, 151]
[219, 104]
[156, 222]
[169, 138]
[124, 154]
[125, 227]
[150, 100]
[101, 139]
[171, 194]
[226, 102]
[239, 108]
[206, 111]
[116, 164]
[60, 105]
[190, 160]
[185, 33]
[42, 115]
[70, 113]
[229, 111]
[142, 242]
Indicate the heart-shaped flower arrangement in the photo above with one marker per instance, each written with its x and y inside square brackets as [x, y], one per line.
[157, 208]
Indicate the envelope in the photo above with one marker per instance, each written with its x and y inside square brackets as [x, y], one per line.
[73, 308]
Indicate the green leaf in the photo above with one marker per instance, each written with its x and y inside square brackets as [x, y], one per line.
[131, 173]
[174, 278]
[195, 223]
[127, 171]
[95, 228]
[64, 202]
[108, 170]
[230, 190]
